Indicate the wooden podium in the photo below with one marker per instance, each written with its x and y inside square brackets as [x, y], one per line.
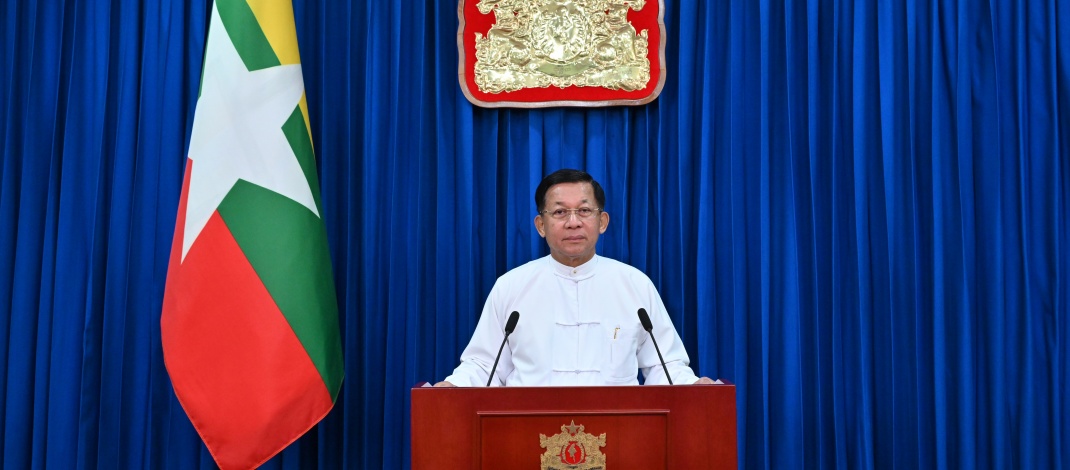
[648, 427]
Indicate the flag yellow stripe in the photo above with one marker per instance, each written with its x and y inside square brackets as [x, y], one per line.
[276, 18]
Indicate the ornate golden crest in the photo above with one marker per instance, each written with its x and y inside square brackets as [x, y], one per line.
[561, 43]
[573, 449]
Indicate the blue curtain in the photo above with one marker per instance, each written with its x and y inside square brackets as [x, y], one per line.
[859, 212]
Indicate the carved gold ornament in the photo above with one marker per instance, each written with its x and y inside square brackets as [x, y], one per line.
[573, 449]
[561, 43]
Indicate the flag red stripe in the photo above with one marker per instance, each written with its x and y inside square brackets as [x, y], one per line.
[237, 367]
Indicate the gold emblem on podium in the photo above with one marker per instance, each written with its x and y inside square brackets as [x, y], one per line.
[573, 449]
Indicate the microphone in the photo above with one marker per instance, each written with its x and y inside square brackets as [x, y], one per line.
[645, 320]
[509, 327]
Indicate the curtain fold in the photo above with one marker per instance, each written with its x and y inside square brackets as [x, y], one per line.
[859, 213]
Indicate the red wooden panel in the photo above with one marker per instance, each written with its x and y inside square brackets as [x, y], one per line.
[452, 426]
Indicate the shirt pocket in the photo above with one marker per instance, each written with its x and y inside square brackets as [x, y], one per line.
[622, 364]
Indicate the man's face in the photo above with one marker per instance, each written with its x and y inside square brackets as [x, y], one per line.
[572, 238]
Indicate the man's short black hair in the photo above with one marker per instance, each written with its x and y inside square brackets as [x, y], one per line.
[568, 175]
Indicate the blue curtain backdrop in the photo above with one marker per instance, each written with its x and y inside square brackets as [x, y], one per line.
[859, 212]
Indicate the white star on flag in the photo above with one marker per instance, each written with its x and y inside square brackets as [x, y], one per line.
[237, 132]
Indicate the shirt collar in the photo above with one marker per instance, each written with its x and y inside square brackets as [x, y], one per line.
[577, 273]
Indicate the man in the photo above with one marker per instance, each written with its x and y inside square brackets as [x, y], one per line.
[578, 311]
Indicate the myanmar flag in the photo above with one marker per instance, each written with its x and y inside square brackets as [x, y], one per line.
[250, 320]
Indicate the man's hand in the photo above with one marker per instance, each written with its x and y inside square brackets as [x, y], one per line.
[447, 384]
[702, 381]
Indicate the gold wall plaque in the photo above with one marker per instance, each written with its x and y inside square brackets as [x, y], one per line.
[572, 449]
[541, 43]
[534, 53]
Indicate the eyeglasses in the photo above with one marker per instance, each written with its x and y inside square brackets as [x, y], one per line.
[562, 214]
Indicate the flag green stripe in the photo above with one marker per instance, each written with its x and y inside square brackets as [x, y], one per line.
[246, 34]
[296, 133]
[286, 244]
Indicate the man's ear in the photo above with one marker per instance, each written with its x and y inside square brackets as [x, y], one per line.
[603, 222]
[539, 226]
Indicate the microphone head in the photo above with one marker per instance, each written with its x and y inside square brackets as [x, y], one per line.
[645, 320]
[511, 324]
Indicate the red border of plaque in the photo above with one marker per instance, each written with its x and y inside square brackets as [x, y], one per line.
[650, 18]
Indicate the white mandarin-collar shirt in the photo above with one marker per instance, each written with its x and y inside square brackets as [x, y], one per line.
[578, 326]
